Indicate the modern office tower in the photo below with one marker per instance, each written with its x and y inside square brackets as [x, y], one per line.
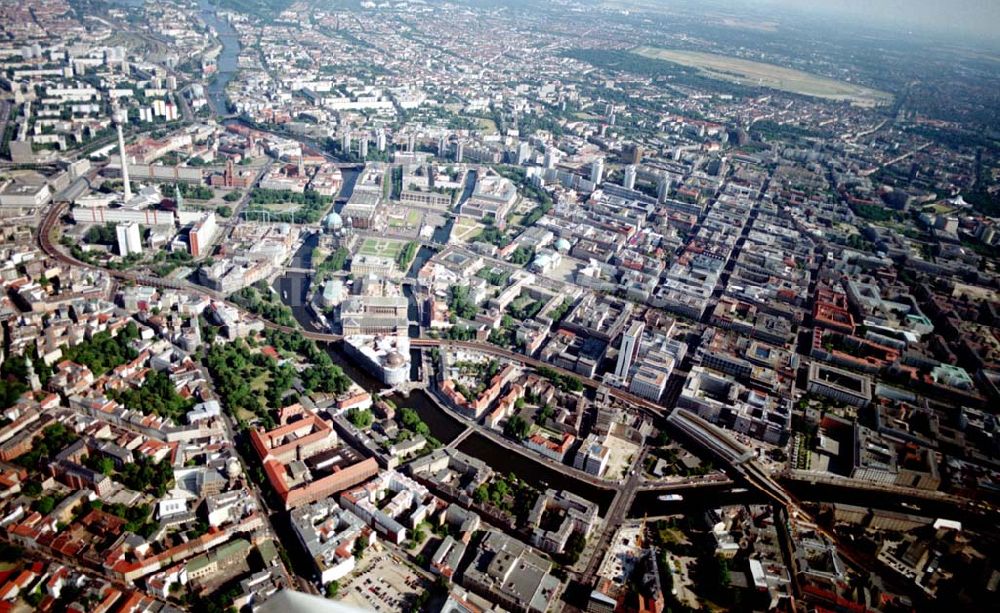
[550, 157]
[597, 171]
[663, 187]
[629, 349]
[380, 140]
[629, 182]
[120, 118]
[129, 238]
[201, 235]
[523, 152]
[632, 154]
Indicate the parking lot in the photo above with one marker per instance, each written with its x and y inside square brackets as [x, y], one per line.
[383, 583]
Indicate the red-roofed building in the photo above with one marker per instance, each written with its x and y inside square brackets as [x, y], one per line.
[549, 448]
[297, 441]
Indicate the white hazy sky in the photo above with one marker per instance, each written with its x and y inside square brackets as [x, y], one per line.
[976, 17]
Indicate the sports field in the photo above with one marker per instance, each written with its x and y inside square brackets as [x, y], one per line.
[746, 72]
[384, 247]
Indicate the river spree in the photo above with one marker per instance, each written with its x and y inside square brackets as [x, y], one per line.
[294, 290]
[228, 60]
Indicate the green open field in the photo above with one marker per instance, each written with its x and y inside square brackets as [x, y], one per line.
[280, 207]
[746, 72]
[381, 246]
[466, 229]
[411, 219]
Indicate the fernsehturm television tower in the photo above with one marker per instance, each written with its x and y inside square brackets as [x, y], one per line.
[121, 118]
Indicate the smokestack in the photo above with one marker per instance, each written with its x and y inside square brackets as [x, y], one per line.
[120, 117]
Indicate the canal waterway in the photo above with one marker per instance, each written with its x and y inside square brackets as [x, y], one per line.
[294, 290]
[228, 60]
[534, 473]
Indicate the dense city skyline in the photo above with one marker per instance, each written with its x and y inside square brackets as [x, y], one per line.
[618, 305]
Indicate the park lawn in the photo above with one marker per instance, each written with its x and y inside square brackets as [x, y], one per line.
[671, 536]
[521, 301]
[381, 247]
[259, 383]
[281, 207]
[244, 416]
[940, 209]
[410, 220]
[466, 229]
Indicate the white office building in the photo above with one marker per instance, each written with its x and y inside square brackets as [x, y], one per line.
[597, 171]
[629, 349]
[629, 182]
[129, 238]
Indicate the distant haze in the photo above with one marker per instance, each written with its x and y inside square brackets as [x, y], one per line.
[978, 18]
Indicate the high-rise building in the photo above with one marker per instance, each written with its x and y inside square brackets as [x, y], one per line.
[597, 171]
[129, 238]
[632, 154]
[411, 143]
[442, 147]
[201, 235]
[550, 157]
[663, 187]
[363, 147]
[523, 152]
[380, 140]
[345, 142]
[459, 151]
[629, 349]
[629, 182]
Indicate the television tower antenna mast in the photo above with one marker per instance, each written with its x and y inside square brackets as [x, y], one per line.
[120, 118]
